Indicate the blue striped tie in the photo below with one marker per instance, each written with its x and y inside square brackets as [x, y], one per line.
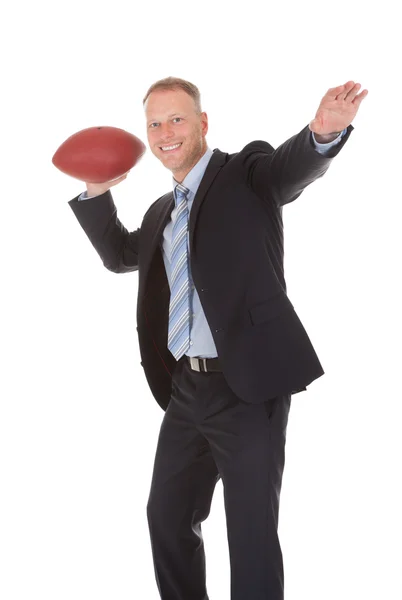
[179, 310]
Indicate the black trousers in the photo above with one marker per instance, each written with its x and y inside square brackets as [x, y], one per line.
[208, 433]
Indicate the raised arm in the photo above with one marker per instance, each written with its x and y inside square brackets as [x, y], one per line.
[283, 174]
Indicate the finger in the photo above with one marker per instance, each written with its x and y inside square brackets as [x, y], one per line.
[360, 97]
[346, 89]
[332, 93]
[120, 178]
[351, 95]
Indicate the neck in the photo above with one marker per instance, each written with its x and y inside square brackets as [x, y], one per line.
[179, 177]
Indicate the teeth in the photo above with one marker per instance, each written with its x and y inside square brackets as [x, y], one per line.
[171, 147]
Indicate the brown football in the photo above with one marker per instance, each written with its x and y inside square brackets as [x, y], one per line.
[98, 154]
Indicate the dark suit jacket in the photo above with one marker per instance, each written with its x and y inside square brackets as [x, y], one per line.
[236, 254]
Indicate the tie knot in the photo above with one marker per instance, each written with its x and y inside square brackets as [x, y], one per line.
[181, 192]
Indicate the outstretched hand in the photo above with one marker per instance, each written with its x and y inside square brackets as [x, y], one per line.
[337, 109]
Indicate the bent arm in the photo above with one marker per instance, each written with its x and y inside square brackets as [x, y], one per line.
[283, 174]
[117, 248]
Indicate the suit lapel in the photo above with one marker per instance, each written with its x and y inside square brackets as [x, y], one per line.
[153, 230]
[215, 164]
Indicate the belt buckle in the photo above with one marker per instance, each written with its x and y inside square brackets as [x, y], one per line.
[195, 363]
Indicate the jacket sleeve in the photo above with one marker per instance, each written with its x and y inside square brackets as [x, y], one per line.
[282, 174]
[117, 248]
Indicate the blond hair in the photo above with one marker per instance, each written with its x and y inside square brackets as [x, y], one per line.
[175, 83]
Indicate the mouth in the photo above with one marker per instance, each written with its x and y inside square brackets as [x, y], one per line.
[171, 148]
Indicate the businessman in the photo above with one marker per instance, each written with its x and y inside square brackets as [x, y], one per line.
[221, 345]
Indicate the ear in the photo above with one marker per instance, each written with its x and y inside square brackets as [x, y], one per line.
[204, 123]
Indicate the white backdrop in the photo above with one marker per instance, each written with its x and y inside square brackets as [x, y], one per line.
[78, 423]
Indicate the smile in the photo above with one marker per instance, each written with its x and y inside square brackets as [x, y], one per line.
[170, 148]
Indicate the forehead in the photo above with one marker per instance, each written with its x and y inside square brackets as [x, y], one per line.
[163, 103]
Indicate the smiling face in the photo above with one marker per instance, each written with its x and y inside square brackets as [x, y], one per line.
[172, 120]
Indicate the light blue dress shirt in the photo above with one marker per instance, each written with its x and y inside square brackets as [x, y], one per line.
[201, 340]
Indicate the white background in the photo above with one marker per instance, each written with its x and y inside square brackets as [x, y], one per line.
[78, 423]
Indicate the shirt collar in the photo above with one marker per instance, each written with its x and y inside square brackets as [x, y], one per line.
[193, 178]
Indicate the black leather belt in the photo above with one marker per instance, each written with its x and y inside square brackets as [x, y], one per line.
[204, 365]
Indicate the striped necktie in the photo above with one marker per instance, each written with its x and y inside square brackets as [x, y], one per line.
[179, 309]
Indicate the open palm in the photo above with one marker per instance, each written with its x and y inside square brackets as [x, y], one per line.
[338, 108]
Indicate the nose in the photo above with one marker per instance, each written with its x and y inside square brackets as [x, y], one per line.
[165, 131]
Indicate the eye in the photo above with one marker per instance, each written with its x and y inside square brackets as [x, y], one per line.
[151, 125]
[177, 119]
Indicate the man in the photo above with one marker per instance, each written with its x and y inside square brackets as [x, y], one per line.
[221, 345]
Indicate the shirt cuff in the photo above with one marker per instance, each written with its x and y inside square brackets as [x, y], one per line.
[324, 147]
[84, 196]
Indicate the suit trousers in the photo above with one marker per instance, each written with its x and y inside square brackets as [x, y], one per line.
[208, 433]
